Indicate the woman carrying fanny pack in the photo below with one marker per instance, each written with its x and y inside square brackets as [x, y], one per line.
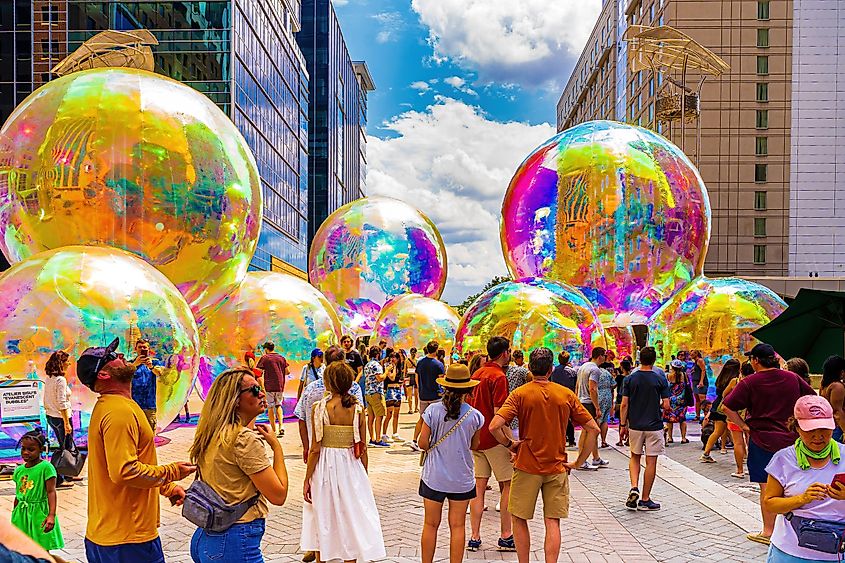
[801, 489]
[231, 459]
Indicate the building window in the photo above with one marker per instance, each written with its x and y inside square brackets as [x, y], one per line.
[761, 146]
[762, 37]
[762, 119]
[762, 64]
[651, 87]
[759, 201]
[761, 173]
[759, 226]
[759, 253]
[762, 9]
[762, 92]
[651, 13]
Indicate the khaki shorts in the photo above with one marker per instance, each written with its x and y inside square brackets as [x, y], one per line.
[376, 405]
[274, 398]
[425, 404]
[650, 440]
[493, 462]
[526, 486]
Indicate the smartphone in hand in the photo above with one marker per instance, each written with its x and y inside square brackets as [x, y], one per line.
[838, 478]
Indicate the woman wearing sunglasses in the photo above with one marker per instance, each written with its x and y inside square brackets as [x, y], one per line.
[231, 458]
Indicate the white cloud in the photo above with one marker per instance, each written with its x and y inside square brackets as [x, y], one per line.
[340, 2]
[455, 81]
[391, 23]
[528, 42]
[420, 85]
[384, 36]
[454, 164]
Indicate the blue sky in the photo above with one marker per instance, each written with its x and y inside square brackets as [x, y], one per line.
[465, 90]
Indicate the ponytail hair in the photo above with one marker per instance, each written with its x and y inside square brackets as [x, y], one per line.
[453, 399]
[338, 378]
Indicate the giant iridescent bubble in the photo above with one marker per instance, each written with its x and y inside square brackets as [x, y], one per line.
[411, 321]
[371, 250]
[268, 306]
[716, 316]
[134, 160]
[75, 297]
[615, 210]
[531, 313]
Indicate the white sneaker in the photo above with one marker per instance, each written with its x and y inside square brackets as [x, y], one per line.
[587, 466]
[397, 438]
[414, 446]
[600, 462]
[386, 439]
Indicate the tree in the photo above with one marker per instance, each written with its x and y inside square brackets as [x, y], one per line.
[471, 299]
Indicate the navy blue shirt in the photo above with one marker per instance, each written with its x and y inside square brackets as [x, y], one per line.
[144, 386]
[645, 391]
[428, 370]
[564, 375]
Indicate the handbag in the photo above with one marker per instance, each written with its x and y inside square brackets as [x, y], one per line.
[689, 400]
[821, 535]
[68, 460]
[424, 454]
[206, 509]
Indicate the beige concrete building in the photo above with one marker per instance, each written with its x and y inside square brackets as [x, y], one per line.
[744, 151]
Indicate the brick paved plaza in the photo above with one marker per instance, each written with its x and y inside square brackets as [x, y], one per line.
[704, 517]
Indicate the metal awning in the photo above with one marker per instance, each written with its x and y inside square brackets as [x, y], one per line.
[111, 49]
[666, 49]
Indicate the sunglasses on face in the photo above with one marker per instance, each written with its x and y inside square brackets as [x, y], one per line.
[255, 390]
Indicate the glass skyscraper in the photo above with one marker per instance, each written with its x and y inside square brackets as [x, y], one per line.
[337, 112]
[240, 53]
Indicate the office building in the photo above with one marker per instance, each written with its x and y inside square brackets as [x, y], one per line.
[770, 140]
[337, 114]
[240, 53]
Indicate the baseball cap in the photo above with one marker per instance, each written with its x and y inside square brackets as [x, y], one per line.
[678, 364]
[813, 412]
[92, 361]
[761, 351]
[316, 353]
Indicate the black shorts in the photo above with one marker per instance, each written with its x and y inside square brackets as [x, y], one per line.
[393, 404]
[411, 381]
[437, 496]
[590, 409]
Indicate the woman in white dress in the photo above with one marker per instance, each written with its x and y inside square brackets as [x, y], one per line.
[340, 520]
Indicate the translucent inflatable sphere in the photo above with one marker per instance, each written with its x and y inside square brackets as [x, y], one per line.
[619, 339]
[411, 321]
[615, 210]
[531, 313]
[75, 297]
[135, 160]
[715, 316]
[268, 306]
[371, 250]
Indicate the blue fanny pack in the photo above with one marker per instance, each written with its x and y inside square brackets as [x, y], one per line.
[821, 535]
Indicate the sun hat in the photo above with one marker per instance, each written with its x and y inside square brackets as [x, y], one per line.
[92, 361]
[457, 377]
[813, 412]
[678, 364]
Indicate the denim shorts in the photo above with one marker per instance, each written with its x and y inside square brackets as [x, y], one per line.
[149, 552]
[241, 542]
[758, 459]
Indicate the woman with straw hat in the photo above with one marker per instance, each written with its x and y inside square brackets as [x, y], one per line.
[449, 431]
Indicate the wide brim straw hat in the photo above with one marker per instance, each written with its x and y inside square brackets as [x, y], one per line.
[457, 377]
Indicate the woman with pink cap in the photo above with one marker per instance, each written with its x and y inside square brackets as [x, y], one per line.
[802, 490]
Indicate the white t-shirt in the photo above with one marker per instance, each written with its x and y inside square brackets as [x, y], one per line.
[784, 468]
[310, 375]
[588, 371]
[56, 395]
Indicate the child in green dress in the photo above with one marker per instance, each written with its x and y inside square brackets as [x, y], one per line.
[34, 512]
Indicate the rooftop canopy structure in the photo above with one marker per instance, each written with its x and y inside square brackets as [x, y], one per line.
[129, 49]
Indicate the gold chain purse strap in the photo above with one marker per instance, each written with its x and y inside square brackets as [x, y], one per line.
[424, 454]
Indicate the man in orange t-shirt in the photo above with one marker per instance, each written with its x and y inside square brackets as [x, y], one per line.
[491, 458]
[544, 410]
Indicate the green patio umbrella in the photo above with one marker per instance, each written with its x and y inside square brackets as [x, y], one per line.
[812, 327]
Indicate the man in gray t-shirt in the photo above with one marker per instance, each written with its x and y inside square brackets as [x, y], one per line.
[587, 389]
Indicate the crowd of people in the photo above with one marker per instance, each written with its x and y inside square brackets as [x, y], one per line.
[486, 415]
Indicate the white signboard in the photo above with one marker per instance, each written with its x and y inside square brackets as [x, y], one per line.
[20, 401]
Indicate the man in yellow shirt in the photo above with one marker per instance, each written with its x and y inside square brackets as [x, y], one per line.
[124, 477]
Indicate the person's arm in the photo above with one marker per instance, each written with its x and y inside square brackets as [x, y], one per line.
[62, 399]
[303, 437]
[313, 458]
[272, 482]
[703, 367]
[775, 501]
[593, 386]
[381, 376]
[50, 522]
[501, 431]
[837, 398]
[623, 417]
[425, 436]
[15, 540]
[362, 431]
[592, 430]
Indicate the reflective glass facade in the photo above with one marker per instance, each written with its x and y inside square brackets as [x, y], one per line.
[240, 53]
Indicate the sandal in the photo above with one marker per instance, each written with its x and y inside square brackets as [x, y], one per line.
[684, 441]
[670, 441]
[738, 474]
[604, 445]
[759, 538]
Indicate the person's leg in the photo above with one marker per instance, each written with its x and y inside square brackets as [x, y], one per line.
[409, 398]
[551, 545]
[739, 450]
[270, 417]
[187, 413]
[570, 433]
[649, 475]
[431, 523]
[697, 398]
[58, 426]
[634, 470]
[522, 538]
[505, 516]
[476, 508]
[683, 425]
[371, 418]
[378, 425]
[669, 431]
[457, 529]
[603, 432]
[719, 428]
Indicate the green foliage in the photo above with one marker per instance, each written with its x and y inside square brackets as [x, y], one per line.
[461, 309]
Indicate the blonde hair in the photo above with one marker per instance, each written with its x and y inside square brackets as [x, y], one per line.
[219, 416]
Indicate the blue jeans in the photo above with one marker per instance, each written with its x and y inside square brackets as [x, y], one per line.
[240, 543]
[58, 426]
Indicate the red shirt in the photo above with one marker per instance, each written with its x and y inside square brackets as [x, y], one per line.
[274, 366]
[769, 397]
[487, 397]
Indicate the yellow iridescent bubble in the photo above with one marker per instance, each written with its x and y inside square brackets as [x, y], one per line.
[371, 250]
[77, 296]
[531, 313]
[131, 159]
[267, 306]
[715, 316]
[619, 339]
[410, 321]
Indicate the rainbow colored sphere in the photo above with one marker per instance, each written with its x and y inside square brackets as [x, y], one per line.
[531, 313]
[615, 210]
[411, 321]
[619, 339]
[131, 159]
[371, 250]
[267, 307]
[715, 316]
[74, 297]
